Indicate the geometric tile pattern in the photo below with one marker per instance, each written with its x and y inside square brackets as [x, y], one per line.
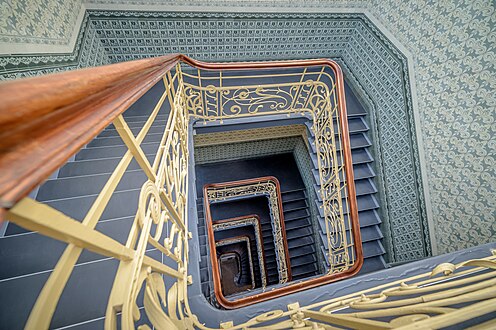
[87, 52]
[219, 37]
[26, 21]
[382, 73]
[236, 151]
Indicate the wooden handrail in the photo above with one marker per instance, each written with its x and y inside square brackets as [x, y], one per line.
[45, 120]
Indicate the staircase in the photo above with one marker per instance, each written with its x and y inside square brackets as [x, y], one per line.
[74, 187]
[299, 230]
[72, 190]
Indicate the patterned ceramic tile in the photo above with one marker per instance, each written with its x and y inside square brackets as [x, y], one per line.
[454, 44]
[48, 22]
[89, 51]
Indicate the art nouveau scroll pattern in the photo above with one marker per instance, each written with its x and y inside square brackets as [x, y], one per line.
[331, 183]
[218, 103]
[306, 95]
[161, 223]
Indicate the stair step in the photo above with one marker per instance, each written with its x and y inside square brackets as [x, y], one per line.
[299, 271]
[287, 196]
[233, 124]
[373, 264]
[87, 185]
[301, 232]
[94, 166]
[111, 152]
[362, 187]
[372, 249]
[371, 233]
[294, 205]
[140, 122]
[157, 127]
[32, 253]
[366, 218]
[355, 124]
[360, 171]
[296, 215]
[357, 141]
[290, 235]
[290, 201]
[366, 202]
[302, 250]
[117, 141]
[358, 156]
[292, 244]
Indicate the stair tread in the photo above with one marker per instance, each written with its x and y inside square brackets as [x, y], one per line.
[112, 151]
[87, 185]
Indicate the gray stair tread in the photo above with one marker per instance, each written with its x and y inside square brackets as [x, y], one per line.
[157, 127]
[362, 187]
[358, 156]
[295, 205]
[87, 185]
[357, 141]
[248, 123]
[110, 152]
[31, 253]
[372, 249]
[94, 166]
[117, 141]
[360, 171]
[357, 124]
[368, 234]
[372, 264]
[365, 202]
[139, 123]
[366, 218]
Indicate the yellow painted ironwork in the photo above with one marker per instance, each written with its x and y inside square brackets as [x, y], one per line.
[429, 300]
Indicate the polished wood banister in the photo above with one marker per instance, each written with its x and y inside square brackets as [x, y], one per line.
[45, 120]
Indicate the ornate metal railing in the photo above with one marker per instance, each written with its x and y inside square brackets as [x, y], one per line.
[252, 220]
[235, 240]
[35, 141]
[266, 186]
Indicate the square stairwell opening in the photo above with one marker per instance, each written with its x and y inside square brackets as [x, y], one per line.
[257, 209]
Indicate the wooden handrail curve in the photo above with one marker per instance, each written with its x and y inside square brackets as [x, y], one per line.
[45, 120]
